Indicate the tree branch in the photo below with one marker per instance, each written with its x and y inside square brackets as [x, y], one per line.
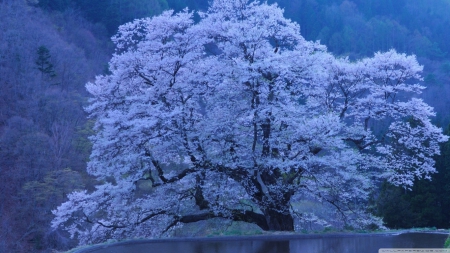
[102, 224]
[146, 79]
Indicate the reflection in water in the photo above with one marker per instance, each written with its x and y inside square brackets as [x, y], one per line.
[367, 243]
[280, 244]
[223, 246]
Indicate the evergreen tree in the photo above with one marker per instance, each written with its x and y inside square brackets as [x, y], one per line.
[44, 64]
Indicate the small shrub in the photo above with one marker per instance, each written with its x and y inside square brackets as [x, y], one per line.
[447, 243]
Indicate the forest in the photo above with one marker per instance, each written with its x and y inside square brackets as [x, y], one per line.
[50, 49]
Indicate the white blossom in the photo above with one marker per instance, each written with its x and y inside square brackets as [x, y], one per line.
[234, 115]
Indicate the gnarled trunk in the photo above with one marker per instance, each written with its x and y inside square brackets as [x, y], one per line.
[271, 220]
[278, 221]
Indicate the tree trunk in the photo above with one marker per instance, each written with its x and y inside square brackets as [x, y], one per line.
[277, 221]
[271, 220]
[237, 215]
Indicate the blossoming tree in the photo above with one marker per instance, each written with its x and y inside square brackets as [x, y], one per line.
[237, 115]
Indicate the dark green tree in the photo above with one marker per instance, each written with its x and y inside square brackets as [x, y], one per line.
[43, 62]
[393, 207]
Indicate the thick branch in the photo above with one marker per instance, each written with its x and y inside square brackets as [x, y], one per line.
[359, 143]
[151, 216]
[236, 215]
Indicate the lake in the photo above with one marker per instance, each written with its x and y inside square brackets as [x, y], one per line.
[329, 243]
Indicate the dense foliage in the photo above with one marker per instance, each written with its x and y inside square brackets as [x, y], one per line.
[254, 116]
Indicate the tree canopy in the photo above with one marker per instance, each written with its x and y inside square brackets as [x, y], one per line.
[237, 117]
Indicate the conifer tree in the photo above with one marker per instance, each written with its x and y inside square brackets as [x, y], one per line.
[44, 64]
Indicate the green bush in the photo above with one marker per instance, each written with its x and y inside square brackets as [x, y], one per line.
[447, 243]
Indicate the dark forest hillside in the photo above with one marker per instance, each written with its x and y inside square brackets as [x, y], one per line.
[45, 60]
[49, 50]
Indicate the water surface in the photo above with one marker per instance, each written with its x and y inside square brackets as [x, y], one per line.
[347, 243]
